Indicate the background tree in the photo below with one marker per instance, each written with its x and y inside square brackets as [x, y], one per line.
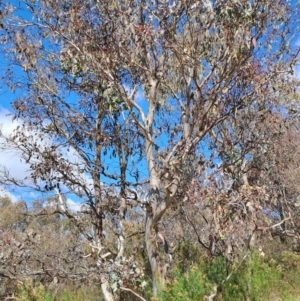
[38, 243]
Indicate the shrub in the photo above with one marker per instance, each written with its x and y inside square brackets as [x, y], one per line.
[190, 286]
[259, 278]
[33, 292]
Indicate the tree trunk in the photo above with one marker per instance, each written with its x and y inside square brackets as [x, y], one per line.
[158, 280]
[156, 263]
[106, 290]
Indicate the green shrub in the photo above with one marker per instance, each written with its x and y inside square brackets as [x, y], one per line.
[31, 292]
[258, 279]
[190, 286]
[37, 292]
[254, 281]
[216, 270]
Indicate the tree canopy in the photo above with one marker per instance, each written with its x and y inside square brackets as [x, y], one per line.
[154, 105]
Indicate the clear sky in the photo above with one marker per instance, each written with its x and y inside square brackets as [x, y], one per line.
[10, 158]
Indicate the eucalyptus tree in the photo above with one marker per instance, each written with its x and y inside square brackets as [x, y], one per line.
[152, 94]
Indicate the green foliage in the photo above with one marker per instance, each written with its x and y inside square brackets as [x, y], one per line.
[38, 292]
[259, 278]
[31, 292]
[265, 277]
[216, 272]
[188, 254]
[190, 286]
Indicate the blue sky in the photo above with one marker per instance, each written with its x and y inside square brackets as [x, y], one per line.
[11, 159]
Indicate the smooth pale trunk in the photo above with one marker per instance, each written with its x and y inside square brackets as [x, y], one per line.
[106, 291]
[158, 273]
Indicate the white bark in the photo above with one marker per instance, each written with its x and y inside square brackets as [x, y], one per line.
[106, 290]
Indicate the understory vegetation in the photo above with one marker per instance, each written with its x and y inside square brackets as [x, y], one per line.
[260, 277]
